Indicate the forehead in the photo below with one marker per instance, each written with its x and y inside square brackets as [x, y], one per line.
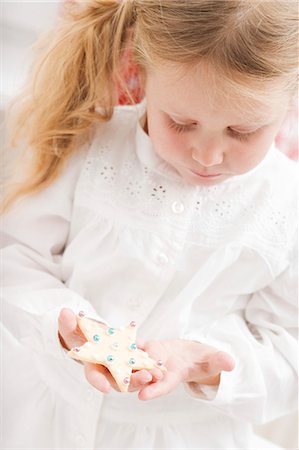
[187, 92]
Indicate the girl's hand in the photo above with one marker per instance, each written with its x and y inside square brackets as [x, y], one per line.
[186, 361]
[98, 376]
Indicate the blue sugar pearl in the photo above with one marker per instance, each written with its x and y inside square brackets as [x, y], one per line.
[133, 346]
[96, 338]
[111, 331]
[110, 358]
[132, 361]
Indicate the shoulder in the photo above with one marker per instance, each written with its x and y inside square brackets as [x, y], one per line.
[275, 203]
[122, 122]
[112, 160]
[281, 171]
[278, 183]
[273, 182]
[112, 155]
[257, 210]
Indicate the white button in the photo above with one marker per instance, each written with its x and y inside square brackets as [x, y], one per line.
[162, 259]
[177, 207]
[80, 440]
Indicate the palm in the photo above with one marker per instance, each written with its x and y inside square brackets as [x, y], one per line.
[186, 362]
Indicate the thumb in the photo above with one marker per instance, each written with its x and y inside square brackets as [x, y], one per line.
[68, 329]
[218, 362]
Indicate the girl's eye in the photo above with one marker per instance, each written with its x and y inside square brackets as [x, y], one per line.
[240, 136]
[180, 128]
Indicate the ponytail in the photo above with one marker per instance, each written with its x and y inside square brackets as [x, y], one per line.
[78, 69]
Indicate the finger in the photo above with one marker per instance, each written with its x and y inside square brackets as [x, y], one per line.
[142, 377]
[68, 328]
[161, 387]
[139, 379]
[95, 375]
[220, 361]
[140, 344]
[67, 321]
[157, 374]
[209, 370]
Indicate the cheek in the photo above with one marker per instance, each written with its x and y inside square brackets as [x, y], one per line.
[246, 156]
[167, 143]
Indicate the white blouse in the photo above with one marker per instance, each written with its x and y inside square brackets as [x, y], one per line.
[121, 236]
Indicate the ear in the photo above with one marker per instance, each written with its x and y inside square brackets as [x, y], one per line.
[142, 78]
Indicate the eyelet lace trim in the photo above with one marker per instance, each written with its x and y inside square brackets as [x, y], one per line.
[211, 216]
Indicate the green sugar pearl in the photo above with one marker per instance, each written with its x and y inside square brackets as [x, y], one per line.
[132, 361]
[111, 331]
[96, 338]
[110, 358]
[133, 346]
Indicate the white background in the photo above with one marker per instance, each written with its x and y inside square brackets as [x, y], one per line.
[20, 23]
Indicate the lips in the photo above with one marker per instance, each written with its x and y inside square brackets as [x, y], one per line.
[206, 175]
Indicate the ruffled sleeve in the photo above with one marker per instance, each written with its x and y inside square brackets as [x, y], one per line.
[34, 235]
[263, 341]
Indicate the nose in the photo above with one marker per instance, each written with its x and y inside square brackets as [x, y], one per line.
[208, 154]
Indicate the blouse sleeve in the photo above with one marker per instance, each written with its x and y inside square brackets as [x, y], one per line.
[263, 341]
[34, 234]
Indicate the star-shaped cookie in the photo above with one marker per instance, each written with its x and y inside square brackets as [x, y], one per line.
[114, 348]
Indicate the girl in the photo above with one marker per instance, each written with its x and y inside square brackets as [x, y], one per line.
[177, 212]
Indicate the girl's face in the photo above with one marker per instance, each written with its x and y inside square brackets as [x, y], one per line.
[204, 135]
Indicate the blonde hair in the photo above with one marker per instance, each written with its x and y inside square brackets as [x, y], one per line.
[79, 66]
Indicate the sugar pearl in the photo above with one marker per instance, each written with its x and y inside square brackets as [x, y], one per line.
[132, 361]
[111, 331]
[133, 346]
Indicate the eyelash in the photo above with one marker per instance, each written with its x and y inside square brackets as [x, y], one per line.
[240, 136]
[179, 128]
